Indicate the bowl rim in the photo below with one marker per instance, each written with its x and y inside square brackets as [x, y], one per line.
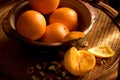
[9, 23]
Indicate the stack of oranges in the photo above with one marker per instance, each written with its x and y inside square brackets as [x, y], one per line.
[33, 24]
[60, 25]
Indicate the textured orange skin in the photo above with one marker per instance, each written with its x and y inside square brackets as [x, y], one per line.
[66, 16]
[55, 33]
[31, 24]
[44, 6]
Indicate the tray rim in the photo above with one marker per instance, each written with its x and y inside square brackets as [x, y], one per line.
[115, 61]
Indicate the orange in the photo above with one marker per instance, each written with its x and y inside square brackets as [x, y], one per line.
[102, 51]
[79, 62]
[44, 6]
[73, 35]
[31, 25]
[66, 16]
[55, 33]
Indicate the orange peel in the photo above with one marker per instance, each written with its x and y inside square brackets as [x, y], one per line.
[79, 62]
[102, 51]
[73, 35]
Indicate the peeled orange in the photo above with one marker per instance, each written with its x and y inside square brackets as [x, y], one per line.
[66, 16]
[55, 33]
[31, 25]
[73, 35]
[44, 6]
[79, 62]
[102, 51]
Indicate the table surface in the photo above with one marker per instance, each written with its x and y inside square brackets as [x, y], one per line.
[14, 59]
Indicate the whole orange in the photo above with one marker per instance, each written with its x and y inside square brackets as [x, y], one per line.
[55, 33]
[31, 25]
[44, 6]
[66, 16]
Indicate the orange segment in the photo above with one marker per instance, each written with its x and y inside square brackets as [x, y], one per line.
[73, 35]
[87, 61]
[78, 62]
[102, 51]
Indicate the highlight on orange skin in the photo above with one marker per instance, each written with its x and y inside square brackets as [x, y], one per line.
[31, 25]
[44, 6]
[55, 33]
[66, 16]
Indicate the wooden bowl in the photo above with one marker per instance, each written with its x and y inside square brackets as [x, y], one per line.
[85, 12]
